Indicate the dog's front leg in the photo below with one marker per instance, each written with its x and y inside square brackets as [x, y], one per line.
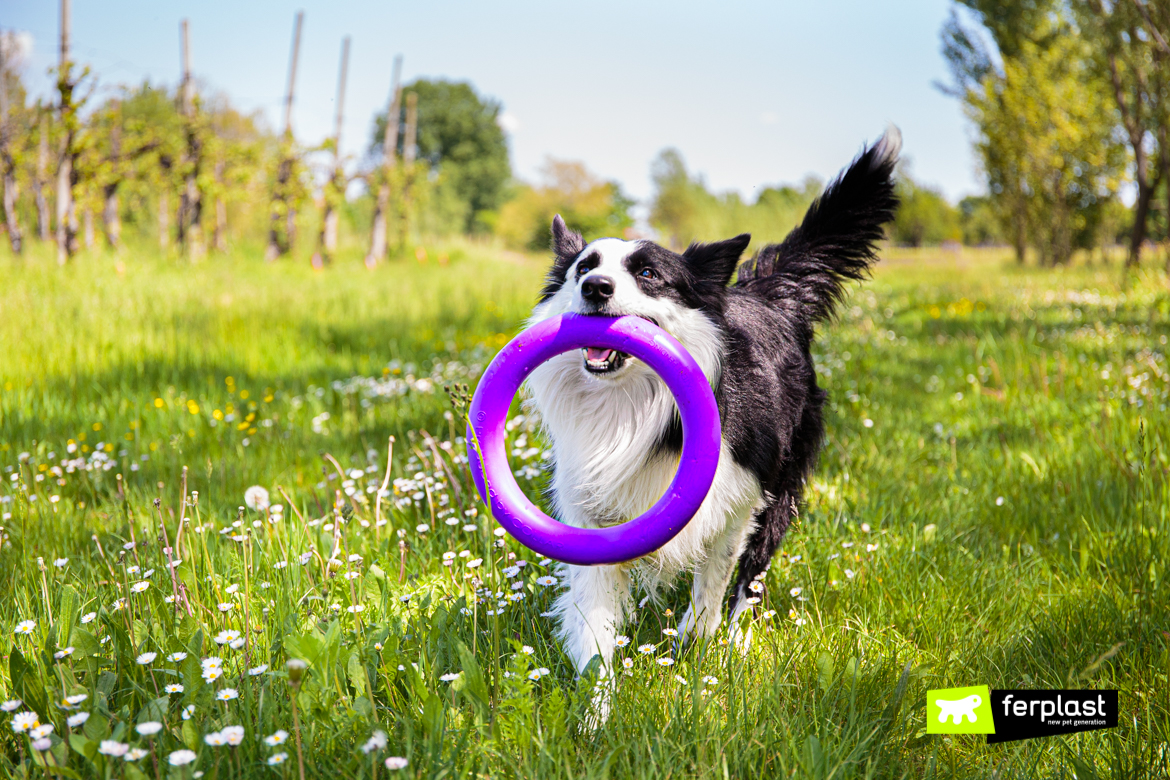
[712, 576]
[591, 609]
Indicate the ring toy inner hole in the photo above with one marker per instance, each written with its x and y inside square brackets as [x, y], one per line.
[697, 462]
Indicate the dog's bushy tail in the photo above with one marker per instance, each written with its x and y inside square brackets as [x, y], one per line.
[836, 242]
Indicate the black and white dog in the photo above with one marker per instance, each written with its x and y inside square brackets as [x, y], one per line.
[613, 424]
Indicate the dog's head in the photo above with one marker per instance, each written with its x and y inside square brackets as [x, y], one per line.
[613, 277]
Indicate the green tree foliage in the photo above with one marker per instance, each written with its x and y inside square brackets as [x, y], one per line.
[924, 216]
[16, 149]
[979, 222]
[1047, 146]
[1131, 51]
[1098, 70]
[589, 205]
[460, 138]
[683, 209]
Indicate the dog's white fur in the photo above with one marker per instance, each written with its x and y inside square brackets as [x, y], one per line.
[603, 431]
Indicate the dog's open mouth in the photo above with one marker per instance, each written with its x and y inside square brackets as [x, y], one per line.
[603, 361]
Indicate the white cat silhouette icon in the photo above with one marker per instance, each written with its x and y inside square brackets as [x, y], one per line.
[958, 709]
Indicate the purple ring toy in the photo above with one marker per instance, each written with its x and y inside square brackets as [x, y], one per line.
[697, 464]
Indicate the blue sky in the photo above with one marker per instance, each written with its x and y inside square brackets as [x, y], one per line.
[752, 94]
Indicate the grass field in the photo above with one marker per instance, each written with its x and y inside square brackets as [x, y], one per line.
[991, 507]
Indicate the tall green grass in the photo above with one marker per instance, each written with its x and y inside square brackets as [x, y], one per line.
[990, 508]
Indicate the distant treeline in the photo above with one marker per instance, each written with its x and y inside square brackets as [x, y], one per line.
[1070, 99]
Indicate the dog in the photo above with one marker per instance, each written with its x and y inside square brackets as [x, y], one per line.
[613, 425]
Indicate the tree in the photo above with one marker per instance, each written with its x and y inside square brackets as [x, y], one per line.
[593, 207]
[148, 163]
[460, 138]
[15, 129]
[978, 221]
[1133, 51]
[684, 210]
[1121, 45]
[1047, 145]
[924, 216]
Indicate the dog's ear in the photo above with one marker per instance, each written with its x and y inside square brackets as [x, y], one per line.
[715, 263]
[566, 245]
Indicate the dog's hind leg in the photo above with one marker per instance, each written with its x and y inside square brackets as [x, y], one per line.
[712, 576]
[771, 524]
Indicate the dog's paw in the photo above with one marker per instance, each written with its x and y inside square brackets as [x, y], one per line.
[599, 707]
[701, 626]
[741, 638]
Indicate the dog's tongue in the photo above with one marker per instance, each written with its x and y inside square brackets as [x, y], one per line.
[594, 353]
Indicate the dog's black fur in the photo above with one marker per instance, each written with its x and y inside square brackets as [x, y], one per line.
[769, 401]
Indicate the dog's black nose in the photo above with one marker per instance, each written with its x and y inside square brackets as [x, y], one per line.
[597, 289]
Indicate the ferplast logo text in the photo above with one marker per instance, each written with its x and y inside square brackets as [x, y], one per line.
[1030, 714]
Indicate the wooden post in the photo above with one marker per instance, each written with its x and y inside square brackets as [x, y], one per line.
[44, 226]
[164, 203]
[111, 218]
[281, 198]
[335, 188]
[87, 224]
[66, 229]
[219, 238]
[6, 162]
[410, 142]
[378, 243]
[190, 201]
[409, 153]
[188, 98]
[292, 73]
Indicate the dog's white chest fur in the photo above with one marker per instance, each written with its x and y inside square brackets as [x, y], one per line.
[605, 431]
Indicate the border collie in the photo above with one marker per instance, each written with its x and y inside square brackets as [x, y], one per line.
[614, 427]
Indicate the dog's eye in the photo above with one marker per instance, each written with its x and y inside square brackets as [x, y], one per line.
[647, 273]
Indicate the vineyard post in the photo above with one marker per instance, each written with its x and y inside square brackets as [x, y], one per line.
[378, 243]
[6, 161]
[44, 226]
[282, 204]
[409, 153]
[190, 215]
[66, 216]
[334, 192]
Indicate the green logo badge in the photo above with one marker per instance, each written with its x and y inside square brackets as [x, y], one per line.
[959, 711]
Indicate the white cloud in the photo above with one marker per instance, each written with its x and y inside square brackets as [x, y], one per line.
[508, 121]
[770, 118]
[18, 46]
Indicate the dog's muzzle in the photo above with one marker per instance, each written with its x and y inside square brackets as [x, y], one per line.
[603, 361]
